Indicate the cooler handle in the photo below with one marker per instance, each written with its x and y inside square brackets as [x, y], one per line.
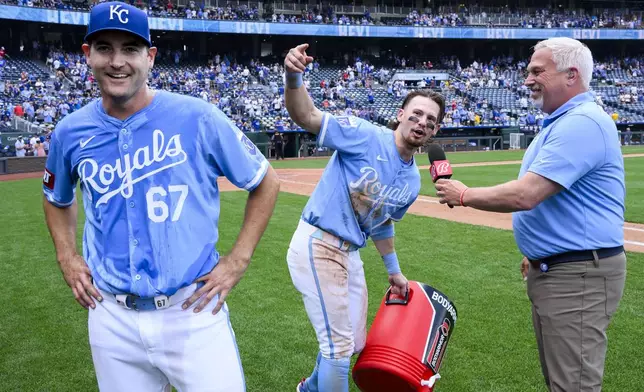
[431, 381]
[396, 301]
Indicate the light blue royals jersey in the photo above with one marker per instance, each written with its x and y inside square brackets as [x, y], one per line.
[365, 183]
[149, 187]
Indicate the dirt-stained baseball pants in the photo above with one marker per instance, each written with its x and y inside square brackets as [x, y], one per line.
[332, 283]
[572, 305]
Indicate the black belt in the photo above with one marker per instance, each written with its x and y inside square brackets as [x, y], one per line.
[578, 255]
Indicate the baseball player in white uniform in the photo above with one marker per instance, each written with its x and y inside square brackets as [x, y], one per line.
[370, 182]
[147, 162]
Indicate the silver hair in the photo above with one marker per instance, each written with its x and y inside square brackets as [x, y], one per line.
[568, 53]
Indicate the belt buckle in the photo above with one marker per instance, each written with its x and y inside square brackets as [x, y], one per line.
[121, 299]
[161, 302]
[346, 245]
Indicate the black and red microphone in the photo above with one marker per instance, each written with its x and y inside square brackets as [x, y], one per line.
[440, 166]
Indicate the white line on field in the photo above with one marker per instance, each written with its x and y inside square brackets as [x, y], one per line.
[634, 243]
[297, 182]
[427, 200]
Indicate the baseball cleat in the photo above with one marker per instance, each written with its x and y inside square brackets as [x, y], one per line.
[300, 386]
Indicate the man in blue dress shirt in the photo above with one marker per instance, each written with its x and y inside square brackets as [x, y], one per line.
[568, 217]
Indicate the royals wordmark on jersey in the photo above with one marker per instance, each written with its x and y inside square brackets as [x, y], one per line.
[366, 182]
[149, 186]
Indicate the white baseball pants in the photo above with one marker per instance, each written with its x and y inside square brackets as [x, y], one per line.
[333, 287]
[150, 350]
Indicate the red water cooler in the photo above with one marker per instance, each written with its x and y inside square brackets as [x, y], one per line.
[406, 343]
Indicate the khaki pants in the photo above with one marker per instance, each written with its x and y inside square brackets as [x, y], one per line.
[572, 305]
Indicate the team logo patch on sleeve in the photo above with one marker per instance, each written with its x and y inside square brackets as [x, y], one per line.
[347, 121]
[249, 145]
[48, 179]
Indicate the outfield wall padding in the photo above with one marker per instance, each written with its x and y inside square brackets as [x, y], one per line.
[15, 165]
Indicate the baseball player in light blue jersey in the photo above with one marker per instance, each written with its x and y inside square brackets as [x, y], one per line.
[370, 182]
[147, 163]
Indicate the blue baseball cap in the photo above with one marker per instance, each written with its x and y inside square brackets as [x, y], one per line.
[115, 15]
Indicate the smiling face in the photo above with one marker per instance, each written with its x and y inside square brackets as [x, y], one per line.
[120, 63]
[418, 121]
[546, 83]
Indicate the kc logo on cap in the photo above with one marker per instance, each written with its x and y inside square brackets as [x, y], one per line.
[116, 15]
[118, 11]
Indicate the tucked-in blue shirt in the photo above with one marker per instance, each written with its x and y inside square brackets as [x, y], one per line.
[149, 186]
[579, 149]
[365, 183]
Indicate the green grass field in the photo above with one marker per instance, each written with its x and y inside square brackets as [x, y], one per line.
[43, 332]
[422, 159]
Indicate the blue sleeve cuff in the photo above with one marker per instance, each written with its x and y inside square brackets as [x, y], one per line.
[293, 80]
[391, 263]
[382, 232]
[259, 176]
[322, 134]
[51, 198]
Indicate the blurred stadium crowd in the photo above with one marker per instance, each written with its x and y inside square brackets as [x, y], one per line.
[252, 95]
[39, 87]
[283, 12]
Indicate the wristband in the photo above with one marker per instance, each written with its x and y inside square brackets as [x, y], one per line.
[391, 263]
[461, 198]
[382, 232]
[293, 80]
